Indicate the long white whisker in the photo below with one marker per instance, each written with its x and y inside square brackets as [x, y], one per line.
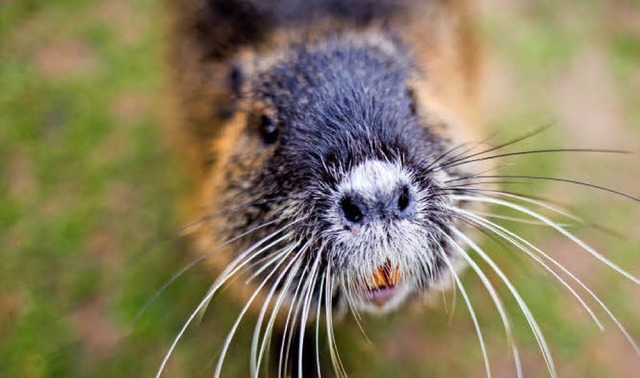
[254, 344]
[282, 363]
[274, 312]
[516, 219]
[500, 230]
[357, 317]
[558, 228]
[444, 298]
[232, 269]
[265, 264]
[193, 263]
[299, 304]
[333, 350]
[471, 312]
[319, 305]
[497, 302]
[305, 311]
[286, 272]
[543, 204]
[349, 298]
[237, 264]
[509, 237]
[523, 305]
[454, 300]
[283, 256]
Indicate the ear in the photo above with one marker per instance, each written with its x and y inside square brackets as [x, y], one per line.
[233, 86]
[413, 101]
[230, 91]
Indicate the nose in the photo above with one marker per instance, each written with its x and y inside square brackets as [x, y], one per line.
[358, 208]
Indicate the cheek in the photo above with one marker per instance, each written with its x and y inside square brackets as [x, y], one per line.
[247, 159]
[240, 156]
[237, 157]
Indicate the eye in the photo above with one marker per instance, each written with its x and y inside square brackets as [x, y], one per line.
[268, 130]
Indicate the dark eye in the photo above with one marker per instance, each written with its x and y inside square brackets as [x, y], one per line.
[268, 130]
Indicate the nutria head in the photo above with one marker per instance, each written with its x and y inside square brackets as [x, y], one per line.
[331, 161]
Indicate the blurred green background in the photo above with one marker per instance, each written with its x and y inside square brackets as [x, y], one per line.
[89, 227]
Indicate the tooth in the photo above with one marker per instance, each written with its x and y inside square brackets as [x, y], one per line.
[385, 276]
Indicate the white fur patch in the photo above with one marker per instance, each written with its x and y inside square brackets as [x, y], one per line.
[373, 177]
[402, 242]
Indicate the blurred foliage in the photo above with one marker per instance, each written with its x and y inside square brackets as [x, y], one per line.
[89, 230]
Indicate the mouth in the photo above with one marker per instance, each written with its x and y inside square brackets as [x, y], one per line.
[383, 284]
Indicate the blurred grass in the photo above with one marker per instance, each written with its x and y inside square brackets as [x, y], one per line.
[87, 189]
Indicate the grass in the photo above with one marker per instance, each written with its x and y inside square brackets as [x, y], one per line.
[88, 223]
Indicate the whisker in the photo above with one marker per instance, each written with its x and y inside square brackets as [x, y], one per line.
[542, 202]
[516, 219]
[476, 221]
[195, 262]
[262, 265]
[236, 265]
[274, 312]
[467, 146]
[282, 360]
[546, 204]
[254, 343]
[357, 317]
[472, 313]
[305, 311]
[299, 305]
[497, 302]
[508, 235]
[454, 299]
[231, 270]
[206, 217]
[283, 256]
[461, 155]
[533, 152]
[336, 361]
[349, 292]
[288, 333]
[561, 230]
[556, 179]
[318, 307]
[500, 146]
[493, 182]
[523, 306]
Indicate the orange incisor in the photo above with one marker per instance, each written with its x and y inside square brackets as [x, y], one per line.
[386, 276]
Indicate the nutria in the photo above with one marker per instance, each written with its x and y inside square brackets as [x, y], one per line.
[333, 146]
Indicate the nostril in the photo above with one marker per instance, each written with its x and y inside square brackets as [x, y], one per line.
[351, 210]
[404, 199]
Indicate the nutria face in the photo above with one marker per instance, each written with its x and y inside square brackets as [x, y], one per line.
[336, 177]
